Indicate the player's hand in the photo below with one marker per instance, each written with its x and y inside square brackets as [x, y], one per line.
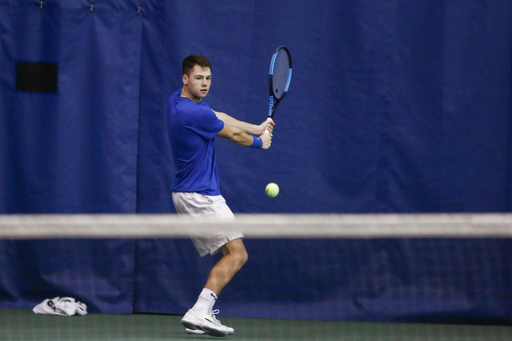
[266, 139]
[266, 127]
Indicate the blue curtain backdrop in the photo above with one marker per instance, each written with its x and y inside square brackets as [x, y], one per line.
[395, 106]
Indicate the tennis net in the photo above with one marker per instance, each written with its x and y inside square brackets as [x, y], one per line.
[309, 277]
[259, 226]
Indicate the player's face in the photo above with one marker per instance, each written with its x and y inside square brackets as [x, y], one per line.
[198, 82]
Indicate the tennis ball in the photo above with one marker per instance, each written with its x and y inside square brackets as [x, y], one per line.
[272, 189]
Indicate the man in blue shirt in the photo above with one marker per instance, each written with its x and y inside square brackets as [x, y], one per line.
[193, 126]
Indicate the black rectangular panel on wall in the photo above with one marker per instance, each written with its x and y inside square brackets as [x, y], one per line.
[36, 77]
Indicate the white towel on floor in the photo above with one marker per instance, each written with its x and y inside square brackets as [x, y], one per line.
[61, 306]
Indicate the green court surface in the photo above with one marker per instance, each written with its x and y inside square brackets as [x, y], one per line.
[24, 325]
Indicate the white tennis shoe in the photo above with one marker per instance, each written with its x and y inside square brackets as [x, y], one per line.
[201, 323]
[231, 331]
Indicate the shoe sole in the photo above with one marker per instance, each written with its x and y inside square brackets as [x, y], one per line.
[201, 332]
[195, 331]
[206, 329]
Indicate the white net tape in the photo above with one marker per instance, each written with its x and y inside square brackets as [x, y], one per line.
[258, 226]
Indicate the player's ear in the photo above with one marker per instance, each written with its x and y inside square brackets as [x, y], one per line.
[184, 78]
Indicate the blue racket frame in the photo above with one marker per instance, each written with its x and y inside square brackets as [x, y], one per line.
[273, 100]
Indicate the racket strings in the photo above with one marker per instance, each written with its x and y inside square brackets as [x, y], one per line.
[280, 74]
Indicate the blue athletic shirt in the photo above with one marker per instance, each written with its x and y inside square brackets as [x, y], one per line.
[192, 129]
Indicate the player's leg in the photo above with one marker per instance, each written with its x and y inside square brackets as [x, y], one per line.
[234, 257]
[201, 317]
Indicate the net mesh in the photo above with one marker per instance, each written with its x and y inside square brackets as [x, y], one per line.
[309, 277]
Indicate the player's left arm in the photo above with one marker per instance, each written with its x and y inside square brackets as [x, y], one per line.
[240, 137]
[248, 128]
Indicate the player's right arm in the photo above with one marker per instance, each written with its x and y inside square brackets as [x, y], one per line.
[240, 137]
[249, 128]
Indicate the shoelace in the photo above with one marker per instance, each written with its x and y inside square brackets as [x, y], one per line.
[214, 317]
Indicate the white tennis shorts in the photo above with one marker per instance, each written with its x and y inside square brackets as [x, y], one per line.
[196, 204]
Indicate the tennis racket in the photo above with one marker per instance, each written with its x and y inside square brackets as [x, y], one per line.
[279, 77]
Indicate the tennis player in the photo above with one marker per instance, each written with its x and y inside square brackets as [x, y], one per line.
[193, 126]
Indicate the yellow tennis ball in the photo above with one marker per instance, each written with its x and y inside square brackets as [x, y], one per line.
[272, 189]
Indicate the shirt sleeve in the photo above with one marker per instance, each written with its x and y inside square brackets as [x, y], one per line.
[206, 123]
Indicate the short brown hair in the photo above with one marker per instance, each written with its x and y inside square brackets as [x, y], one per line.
[193, 60]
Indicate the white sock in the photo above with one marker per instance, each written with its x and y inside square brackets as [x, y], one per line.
[205, 301]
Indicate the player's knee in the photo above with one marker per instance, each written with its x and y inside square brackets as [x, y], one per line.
[237, 251]
[241, 257]
[244, 257]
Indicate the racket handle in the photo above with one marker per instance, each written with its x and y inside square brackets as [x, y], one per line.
[266, 129]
